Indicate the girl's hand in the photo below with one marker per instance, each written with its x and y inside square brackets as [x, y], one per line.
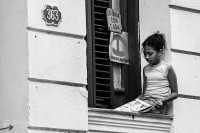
[159, 103]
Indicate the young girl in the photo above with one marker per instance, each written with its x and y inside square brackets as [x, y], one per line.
[159, 78]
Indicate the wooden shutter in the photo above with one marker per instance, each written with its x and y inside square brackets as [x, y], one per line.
[100, 91]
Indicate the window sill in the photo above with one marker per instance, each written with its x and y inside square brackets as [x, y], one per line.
[105, 120]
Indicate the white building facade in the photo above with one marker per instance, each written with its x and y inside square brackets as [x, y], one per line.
[53, 76]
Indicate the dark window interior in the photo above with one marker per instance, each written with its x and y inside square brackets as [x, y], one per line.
[100, 69]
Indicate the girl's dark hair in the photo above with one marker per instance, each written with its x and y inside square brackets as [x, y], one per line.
[156, 40]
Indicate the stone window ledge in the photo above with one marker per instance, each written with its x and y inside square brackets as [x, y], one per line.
[106, 120]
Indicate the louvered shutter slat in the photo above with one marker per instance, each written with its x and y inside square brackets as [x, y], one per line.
[102, 67]
[106, 1]
[102, 46]
[101, 39]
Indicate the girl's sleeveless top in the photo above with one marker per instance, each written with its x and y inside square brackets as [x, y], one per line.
[157, 84]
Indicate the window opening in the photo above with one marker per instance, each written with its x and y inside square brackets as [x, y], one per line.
[100, 69]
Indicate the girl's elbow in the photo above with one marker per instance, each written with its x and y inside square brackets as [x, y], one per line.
[176, 95]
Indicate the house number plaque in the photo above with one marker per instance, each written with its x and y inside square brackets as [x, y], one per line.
[51, 15]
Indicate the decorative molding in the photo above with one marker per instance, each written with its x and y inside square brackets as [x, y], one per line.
[45, 129]
[184, 8]
[55, 33]
[102, 120]
[185, 52]
[189, 97]
[56, 82]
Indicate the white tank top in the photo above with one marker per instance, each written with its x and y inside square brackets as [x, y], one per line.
[157, 82]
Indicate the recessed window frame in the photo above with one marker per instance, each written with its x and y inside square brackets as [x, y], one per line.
[131, 74]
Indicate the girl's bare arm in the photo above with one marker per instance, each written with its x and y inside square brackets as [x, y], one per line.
[144, 86]
[173, 85]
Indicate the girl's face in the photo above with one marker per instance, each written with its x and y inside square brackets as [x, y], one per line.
[152, 56]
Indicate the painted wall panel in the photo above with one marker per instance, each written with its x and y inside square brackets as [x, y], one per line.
[187, 69]
[154, 16]
[72, 11]
[185, 30]
[194, 4]
[102, 120]
[57, 58]
[58, 106]
[186, 116]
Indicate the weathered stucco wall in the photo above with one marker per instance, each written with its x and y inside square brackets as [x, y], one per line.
[57, 68]
[43, 68]
[13, 66]
[186, 60]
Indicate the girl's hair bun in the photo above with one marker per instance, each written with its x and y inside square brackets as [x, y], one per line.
[156, 40]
